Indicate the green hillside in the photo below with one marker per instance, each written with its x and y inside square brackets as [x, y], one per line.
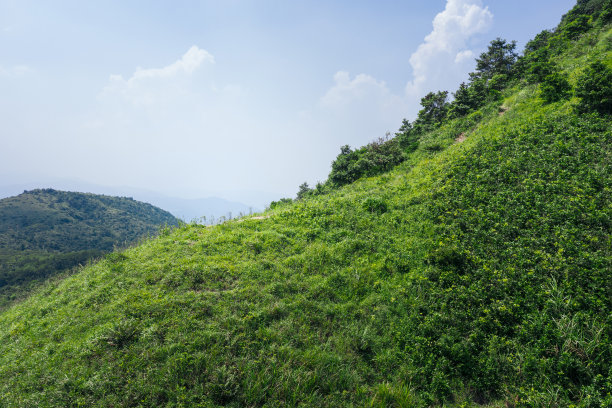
[45, 232]
[465, 262]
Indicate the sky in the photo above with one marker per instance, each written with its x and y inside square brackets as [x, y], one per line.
[200, 98]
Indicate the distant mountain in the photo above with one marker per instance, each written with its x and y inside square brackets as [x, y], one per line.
[213, 207]
[43, 232]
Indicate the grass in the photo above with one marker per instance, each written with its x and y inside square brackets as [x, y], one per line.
[472, 274]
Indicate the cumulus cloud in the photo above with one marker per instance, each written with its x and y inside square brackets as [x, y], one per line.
[357, 109]
[347, 91]
[442, 59]
[182, 114]
[462, 56]
[191, 60]
[440, 62]
[142, 88]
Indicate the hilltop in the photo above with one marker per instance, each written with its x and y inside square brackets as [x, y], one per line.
[464, 262]
[44, 232]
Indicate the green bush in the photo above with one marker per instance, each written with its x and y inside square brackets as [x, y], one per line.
[377, 157]
[594, 87]
[555, 87]
[374, 205]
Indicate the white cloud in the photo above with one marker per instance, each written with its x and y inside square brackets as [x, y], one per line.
[147, 86]
[462, 56]
[191, 60]
[347, 91]
[356, 110]
[441, 61]
[182, 115]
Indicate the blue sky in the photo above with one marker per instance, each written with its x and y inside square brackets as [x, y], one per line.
[199, 98]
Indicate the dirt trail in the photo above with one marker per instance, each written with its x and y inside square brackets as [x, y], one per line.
[462, 136]
[257, 217]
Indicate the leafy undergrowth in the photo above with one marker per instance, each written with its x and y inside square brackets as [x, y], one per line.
[472, 273]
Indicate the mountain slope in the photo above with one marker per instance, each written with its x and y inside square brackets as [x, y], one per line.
[43, 232]
[475, 272]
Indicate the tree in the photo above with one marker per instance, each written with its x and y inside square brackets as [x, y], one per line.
[579, 25]
[498, 59]
[463, 103]
[344, 168]
[435, 108]
[468, 98]
[539, 42]
[407, 136]
[303, 191]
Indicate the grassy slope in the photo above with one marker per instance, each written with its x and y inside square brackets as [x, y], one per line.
[476, 274]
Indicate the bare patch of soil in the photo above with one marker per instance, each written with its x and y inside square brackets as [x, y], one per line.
[462, 136]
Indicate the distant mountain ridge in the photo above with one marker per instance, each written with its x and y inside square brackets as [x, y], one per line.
[213, 205]
[45, 231]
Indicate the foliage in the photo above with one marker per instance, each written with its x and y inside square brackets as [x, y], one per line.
[555, 87]
[377, 157]
[469, 98]
[598, 9]
[579, 25]
[434, 110]
[594, 87]
[282, 201]
[499, 59]
[304, 191]
[539, 42]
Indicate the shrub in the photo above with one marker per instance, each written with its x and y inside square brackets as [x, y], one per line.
[282, 201]
[374, 205]
[594, 87]
[377, 157]
[555, 87]
[537, 71]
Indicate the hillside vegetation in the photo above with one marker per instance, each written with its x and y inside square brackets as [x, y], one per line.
[464, 262]
[45, 232]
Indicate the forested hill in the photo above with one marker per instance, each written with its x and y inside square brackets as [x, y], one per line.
[45, 231]
[464, 262]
